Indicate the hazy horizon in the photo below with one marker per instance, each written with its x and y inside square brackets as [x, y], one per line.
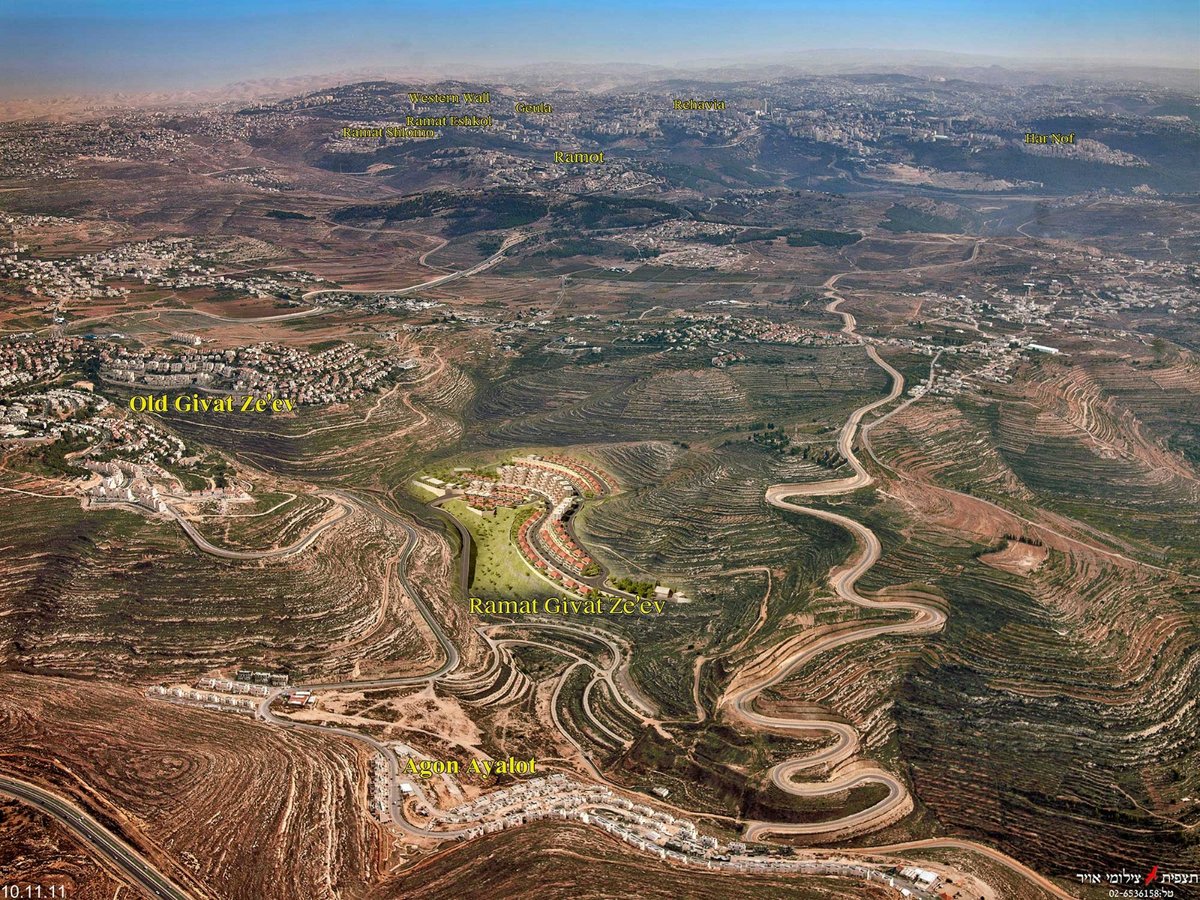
[94, 47]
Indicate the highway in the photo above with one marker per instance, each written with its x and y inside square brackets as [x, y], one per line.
[156, 312]
[464, 557]
[112, 848]
[511, 241]
[449, 651]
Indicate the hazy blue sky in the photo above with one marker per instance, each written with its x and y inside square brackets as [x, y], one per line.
[103, 45]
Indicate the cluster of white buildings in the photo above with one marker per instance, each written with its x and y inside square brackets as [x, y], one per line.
[244, 693]
[266, 180]
[57, 280]
[256, 676]
[51, 414]
[126, 484]
[692, 332]
[206, 699]
[48, 149]
[69, 414]
[120, 481]
[25, 359]
[1072, 305]
[656, 832]
[553, 485]
[171, 262]
[544, 540]
[334, 375]
[18, 223]
[557, 796]
[225, 686]
[124, 453]
[1084, 149]
[379, 790]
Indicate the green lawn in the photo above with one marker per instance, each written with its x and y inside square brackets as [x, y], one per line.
[500, 572]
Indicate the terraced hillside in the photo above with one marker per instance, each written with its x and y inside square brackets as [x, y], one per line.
[1074, 444]
[665, 396]
[196, 805]
[1092, 760]
[110, 592]
[274, 519]
[38, 850]
[974, 640]
[1029, 755]
[571, 861]
[350, 442]
[696, 518]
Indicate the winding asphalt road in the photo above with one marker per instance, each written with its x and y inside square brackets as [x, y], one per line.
[794, 653]
[202, 542]
[114, 849]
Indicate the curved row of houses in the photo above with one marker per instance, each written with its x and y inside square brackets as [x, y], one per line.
[545, 540]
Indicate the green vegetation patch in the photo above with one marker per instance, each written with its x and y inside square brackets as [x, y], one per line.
[632, 586]
[50, 459]
[796, 237]
[467, 213]
[617, 212]
[905, 218]
[501, 573]
[823, 237]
